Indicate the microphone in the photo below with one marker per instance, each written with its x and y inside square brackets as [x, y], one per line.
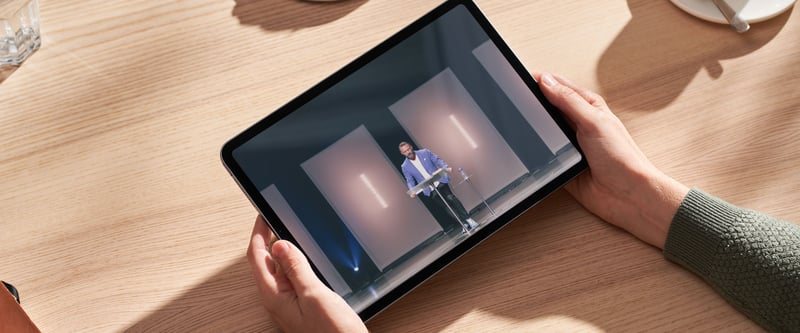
[463, 174]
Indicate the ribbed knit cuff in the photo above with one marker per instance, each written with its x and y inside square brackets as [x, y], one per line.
[694, 235]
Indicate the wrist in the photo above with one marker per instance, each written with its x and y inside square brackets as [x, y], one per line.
[662, 196]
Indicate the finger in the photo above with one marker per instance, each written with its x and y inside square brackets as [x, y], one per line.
[573, 103]
[261, 262]
[590, 96]
[259, 240]
[295, 266]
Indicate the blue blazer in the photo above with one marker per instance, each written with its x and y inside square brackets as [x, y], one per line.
[430, 162]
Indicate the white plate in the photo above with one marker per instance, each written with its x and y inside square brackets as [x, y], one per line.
[751, 11]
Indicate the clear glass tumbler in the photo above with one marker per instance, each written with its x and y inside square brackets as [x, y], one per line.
[19, 30]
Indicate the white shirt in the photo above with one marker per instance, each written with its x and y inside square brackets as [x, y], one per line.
[418, 164]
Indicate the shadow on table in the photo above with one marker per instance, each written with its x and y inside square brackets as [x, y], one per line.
[6, 71]
[274, 15]
[226, 302]
[650, 62]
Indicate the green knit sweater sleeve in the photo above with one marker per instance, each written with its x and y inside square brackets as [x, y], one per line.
[751, 259]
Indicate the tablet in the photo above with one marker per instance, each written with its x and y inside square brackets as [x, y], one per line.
[400, 162]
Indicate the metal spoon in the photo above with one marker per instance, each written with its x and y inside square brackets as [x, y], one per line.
[732, 16]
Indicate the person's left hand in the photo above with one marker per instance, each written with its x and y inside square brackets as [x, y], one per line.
[292, 294]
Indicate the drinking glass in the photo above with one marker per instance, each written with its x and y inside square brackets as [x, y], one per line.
[19, 30]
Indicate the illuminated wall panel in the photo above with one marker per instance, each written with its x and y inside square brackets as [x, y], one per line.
[304, 238]
[369, 194]
[441, 115]
[522, 97]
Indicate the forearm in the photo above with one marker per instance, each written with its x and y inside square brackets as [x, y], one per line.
[751, 259]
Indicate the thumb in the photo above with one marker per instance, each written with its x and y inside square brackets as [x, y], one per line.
[572, 101]
[295, 266]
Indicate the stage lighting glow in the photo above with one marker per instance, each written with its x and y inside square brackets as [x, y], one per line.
[373, 190]
[463, 131]
[355, 269]
[373, 292]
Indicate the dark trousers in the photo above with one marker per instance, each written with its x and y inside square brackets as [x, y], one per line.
[452, 200]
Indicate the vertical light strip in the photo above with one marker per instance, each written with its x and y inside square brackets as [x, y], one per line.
[463, 131]
[374, 191]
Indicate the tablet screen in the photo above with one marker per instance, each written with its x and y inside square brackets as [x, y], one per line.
[397, 164]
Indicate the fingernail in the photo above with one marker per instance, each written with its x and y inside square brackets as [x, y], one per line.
[548, 79]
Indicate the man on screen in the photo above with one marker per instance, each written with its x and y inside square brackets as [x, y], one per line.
[418, 166]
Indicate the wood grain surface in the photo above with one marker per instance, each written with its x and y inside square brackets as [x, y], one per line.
[117, 215]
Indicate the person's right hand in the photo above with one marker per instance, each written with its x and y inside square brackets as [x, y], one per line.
[621, 186]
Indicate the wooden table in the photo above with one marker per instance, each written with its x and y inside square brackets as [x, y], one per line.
[117, 214]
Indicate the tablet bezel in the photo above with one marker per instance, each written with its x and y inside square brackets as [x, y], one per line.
[431, 269]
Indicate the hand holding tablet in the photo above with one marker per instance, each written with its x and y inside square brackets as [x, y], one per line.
[290, 291]
[623, 188]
